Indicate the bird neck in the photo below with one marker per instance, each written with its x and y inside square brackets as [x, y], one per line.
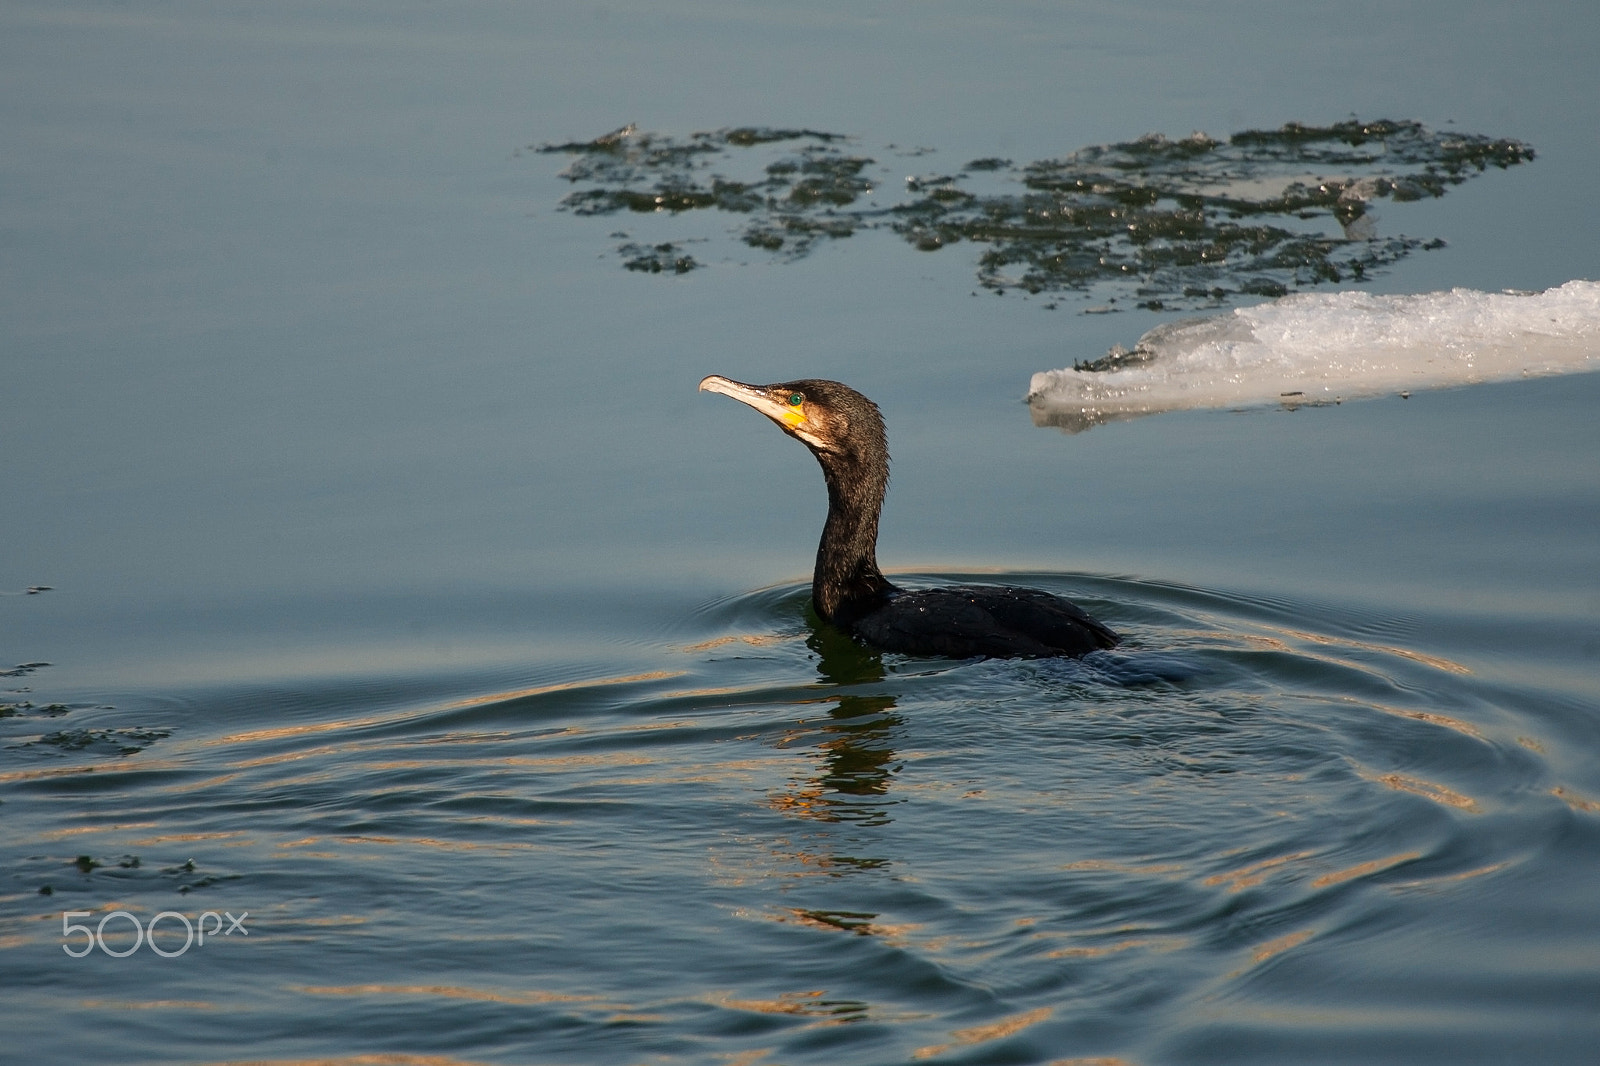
[847, 582]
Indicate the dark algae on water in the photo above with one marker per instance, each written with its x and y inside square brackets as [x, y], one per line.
[1158, 222]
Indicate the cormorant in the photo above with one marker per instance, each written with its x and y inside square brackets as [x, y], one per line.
[844, 430]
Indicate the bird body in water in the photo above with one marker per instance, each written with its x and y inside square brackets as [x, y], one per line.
[845, 431]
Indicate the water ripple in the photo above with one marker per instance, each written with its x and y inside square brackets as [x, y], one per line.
[760, 842]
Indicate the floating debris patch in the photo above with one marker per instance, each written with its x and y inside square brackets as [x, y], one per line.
[51, 710]
[657, 259]
[1157, 222]
[101, 741]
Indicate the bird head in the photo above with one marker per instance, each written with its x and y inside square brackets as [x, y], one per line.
[830, 418]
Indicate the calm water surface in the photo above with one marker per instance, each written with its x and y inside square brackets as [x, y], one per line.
[409, 607]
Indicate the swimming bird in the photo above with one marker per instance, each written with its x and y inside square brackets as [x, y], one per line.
[845, 431]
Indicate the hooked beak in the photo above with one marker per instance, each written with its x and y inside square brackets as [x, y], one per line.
[789, 418]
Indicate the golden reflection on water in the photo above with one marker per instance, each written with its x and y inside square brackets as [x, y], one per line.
[807, 1004]
[394, 717]
[1108, 866]
[749, 1058]
[757, 640]
[146, 1004]
[1464, 728]
[1281, 642]
[614, 1013]
[982, 1034]
[521, 997]
[1365, 868]
[1161, 944]
[295, 755]
[334, 757]
[1427, 789]
[1276, 946]
[228, 839]
[562, 686]
[126, 764]
[1281, 944]
[383, 1058]
[79, 830]
[498, 848]
[1252, 875]
[1575, 801]
[1445, 879]
[1449, 666]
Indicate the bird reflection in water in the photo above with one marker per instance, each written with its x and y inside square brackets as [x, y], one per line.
[855, 744]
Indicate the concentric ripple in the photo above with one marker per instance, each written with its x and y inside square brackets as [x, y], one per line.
[1242, 833]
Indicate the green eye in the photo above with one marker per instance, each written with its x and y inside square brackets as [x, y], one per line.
[795, 399]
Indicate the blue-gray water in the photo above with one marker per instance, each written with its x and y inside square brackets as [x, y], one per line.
[406, 597]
